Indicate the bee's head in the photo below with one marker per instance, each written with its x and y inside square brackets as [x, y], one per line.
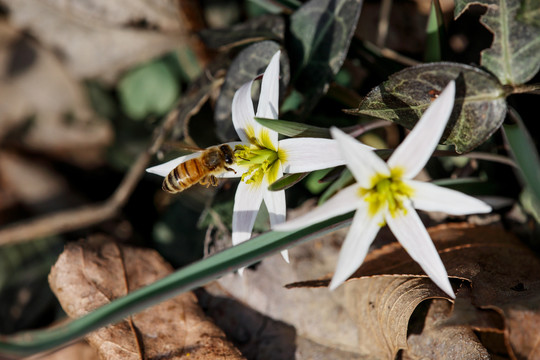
[227, 153]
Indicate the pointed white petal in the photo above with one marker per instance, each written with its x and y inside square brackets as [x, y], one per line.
[361, 234]
[269, 98]
[243, 113]
[430, 197]
[362, 161]
[414, 152]
[285, 256]
[277, 207]
[165, 168]
[309, 154]
[344, 201]
[247, 203]
[269, 102]
[414, 237]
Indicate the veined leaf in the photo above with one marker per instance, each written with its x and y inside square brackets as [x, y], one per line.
[294, 129]
[513, 55]
[479, 107]
[321, 33]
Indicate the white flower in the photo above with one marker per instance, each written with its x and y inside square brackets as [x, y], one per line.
[262, 158]
[385, 193]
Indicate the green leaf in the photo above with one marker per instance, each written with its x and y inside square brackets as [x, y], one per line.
[247, 65]
[149, 89]
[321, 34]
[286, 181]
[479, 108]
[513, 55]
[185, 279]
[435, 34]
[294, 129]
[314, 182]
[524, 152]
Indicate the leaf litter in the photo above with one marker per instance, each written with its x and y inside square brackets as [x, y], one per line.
[93, 272]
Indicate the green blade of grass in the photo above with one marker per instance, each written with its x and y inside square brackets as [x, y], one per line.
[435, 34]
[524, 152]
[185, 279]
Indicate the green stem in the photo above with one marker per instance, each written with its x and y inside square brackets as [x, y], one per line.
[183, 280]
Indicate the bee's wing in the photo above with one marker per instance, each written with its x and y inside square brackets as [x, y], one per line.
[165, 168]
[179, 146]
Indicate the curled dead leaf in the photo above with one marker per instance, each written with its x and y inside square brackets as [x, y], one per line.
[502, 273]
[91, 273]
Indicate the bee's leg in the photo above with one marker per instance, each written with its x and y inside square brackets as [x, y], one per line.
[229, 169]
[204, 181]
[213, 180]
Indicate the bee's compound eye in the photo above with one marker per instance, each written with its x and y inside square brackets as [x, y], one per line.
[227, 153]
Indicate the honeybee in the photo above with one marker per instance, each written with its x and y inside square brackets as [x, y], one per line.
[202, 169]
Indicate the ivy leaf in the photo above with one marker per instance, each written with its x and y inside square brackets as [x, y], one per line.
[479, 108]
[513, 55]
[321, 33]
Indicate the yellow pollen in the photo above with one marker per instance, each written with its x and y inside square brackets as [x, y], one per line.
[259, 160]
[387, 192]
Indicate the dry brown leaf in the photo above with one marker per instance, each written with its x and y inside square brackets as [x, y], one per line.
[319, 317]
[440, 341]
[42, 107]
[324, 327]
[100, 38]
[91, 273]
[80, 351]
[501, 270]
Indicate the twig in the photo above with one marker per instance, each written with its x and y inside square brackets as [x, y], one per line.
[88, 215]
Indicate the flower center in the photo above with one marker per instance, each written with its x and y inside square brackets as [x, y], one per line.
[387, 192]
[260, 161]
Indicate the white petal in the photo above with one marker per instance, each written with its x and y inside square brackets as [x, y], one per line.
[430, 197]
[362, 162]
[165, 168]
[269, 102]
[343, 202]
[309, 154]
[243, 113]
[269, 98]
[414, 152]
[247, 203]
[277, 207]
[361, 234]
[414, 237]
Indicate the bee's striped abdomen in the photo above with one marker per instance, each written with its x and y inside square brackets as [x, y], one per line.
[183, 176]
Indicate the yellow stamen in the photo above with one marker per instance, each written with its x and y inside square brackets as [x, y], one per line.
[387, 192]
[260, 161]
